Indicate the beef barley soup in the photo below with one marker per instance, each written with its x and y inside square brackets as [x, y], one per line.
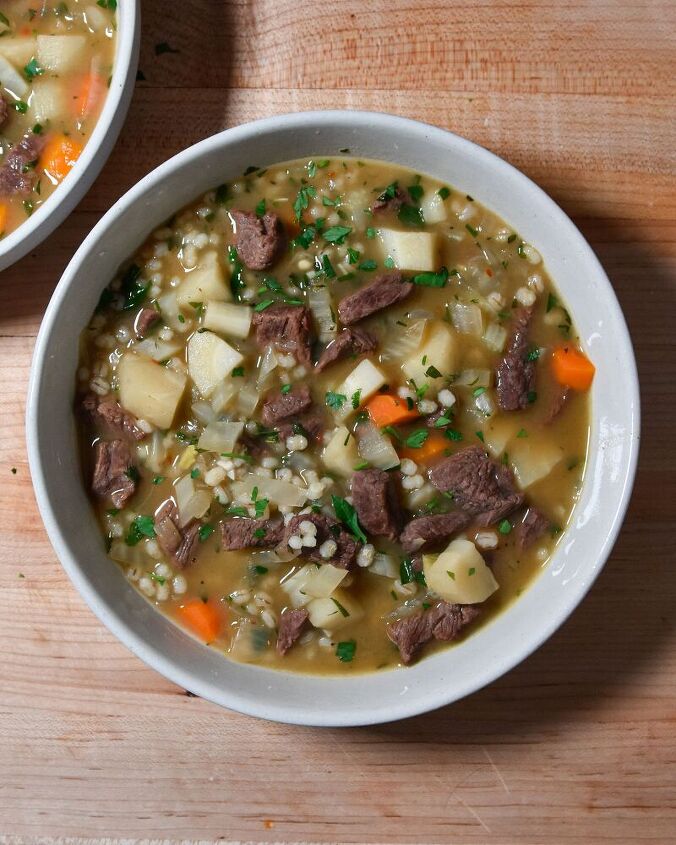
[333, 415]
[55, 65]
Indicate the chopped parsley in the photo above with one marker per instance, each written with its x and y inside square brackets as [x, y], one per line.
[431, 280]
[505, 526]
[432, 372]
[142, 526]
[237, 372]
[356, 399]
[302, 201]
[158, 479]
[352, 255]
[345, 650]
[33, 69]
[336, 234]
[286, 388]
[368, 265]
[473, 232]
[411, 215]
[205, 531]
[348, 516]
[260, 208]
[417, 438]
[335, 400]
[444, 192]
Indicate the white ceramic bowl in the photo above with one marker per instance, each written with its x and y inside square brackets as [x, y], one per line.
[68, 194]
[440, 678]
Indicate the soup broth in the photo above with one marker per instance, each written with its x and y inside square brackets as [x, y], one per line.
[335, 414]
[55, 67]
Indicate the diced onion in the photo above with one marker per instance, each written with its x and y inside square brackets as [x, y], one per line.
[495, 337]
[385, 565]
[247, 399]
[294, 584]
[400, 344]
[268, 364]
[474, 378]
[132, 555]
[467, 318]
[223, 395]
[220, 436]
[321, 582]
[485, 404]
[320, 303]
[153, 452]
[169, 310]
[203, 411]
[11, 79]
[158, 350]
[280, 493]
[192, 503]
[376, 447]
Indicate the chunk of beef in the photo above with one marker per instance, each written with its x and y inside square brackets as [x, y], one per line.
[392, 200]
[256, 447]
[146, 319]
[112, 460]
[442, 622]
[288, 327]
[348, 342]
[558, 404]
[244, 533]
[387, 289]
[111, 416]
[16, 174]
[479, 486]
[311, 423]
[291, 624]
[515, 373]
[376, 500]
[427, 532]
[282, 406]
[259, 240]
[327, 529]
[530, 528]
[179, 543]
[4, 111]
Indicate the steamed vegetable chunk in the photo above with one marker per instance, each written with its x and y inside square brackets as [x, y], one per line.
[55, 67]
[328, 426]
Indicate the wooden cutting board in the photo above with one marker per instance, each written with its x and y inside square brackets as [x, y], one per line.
[577, 745]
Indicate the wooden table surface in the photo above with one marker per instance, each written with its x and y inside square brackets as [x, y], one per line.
[578, 744]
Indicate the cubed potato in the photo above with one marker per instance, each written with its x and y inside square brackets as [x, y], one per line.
[48, 100]
[410, 250]
[60, 53]
[323, 582]
[210, 361]
[362, 382]
[498, 432]
[334, 613]
[228, 318]
[18, 50]
[433, 207]
[438, 349]
[533, 459]
[205, 282]
[459, 574]
[149, 390]
[340, 453]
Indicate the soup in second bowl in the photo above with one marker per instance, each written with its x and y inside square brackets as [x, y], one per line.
[55, 66]
[334, 415]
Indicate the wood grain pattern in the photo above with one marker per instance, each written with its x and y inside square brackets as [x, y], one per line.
[576, 745]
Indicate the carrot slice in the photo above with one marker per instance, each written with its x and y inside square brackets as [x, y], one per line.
[89, 94]
[204, 619]
[386, 409]
[59, 155]
[432, 449]
[572, 368]
[3, 217]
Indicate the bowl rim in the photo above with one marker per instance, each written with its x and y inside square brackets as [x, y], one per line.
[164, 662]
[48, 216]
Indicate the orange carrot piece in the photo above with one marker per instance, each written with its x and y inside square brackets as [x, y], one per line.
[204, 619]
[432, 449]
[89, 95]
[386, 409]
[572, 368]
[59, 155]
[3, 216]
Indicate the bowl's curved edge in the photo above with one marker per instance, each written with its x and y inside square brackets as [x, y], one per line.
[68, 194]
[230, 698]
